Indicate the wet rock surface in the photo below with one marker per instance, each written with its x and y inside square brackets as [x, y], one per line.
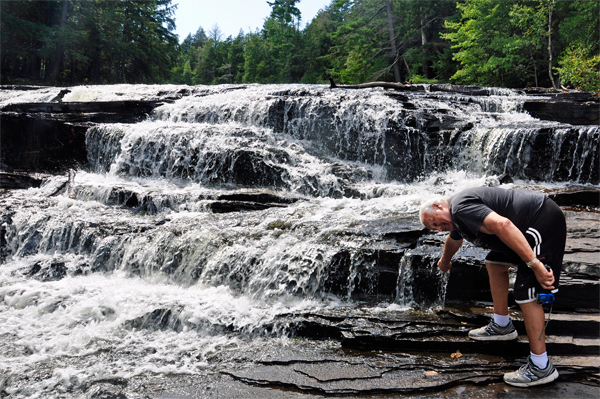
[567, 106]
[12, 181]
[586, 113]
[578, 198]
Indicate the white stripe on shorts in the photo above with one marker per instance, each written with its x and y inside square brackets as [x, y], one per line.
[531, 294]
[537, 238]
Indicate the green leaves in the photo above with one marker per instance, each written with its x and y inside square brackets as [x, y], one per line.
[94, 41]
[580, 69]
[511, 43]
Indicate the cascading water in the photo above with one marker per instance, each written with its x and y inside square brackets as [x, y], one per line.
[125, 269]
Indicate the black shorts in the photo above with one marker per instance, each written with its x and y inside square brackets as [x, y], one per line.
[546, 236]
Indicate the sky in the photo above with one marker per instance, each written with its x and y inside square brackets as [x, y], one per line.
[232, 15]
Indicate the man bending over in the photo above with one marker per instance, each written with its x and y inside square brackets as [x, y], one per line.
[521, 228]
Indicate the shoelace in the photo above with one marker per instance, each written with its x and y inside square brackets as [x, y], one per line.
[527, 372]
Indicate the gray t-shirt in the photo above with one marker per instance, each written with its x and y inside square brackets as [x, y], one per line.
[470, 207]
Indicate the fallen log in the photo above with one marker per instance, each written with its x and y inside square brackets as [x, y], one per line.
[385, 85]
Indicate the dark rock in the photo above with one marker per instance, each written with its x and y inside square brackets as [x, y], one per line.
[133, 110]
[314, 329]
[158, 319]
[53, 272]
[172, 264]
[261, 198]
[495, 181]
[574, 163]
[5, 221]
[444, 331]
[565, 95]
[30, 143]
[505, 179]
[60, 95]
[470, 90]
[12, 181]
[337, 274]
[239, 206]
[276, 115]
[21, 87]
[581, 198]
[468, 282]
[99, 393]
[324, 372]
[366, 273]
[397, 96]
[587, 113]
[374, 372]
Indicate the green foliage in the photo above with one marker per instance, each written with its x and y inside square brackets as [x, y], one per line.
[418, 79]
[580, 29]
[485, 53]
[95, 41]
[581, 25]
[256, 69]
[510, 43]
[514, 43]
[579, 69]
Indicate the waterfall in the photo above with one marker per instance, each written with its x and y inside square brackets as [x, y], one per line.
[207, 226]
[304, 137]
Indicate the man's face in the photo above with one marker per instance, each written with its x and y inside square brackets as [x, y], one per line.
[438, 218]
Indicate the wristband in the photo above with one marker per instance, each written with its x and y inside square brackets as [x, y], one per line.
[532, 262]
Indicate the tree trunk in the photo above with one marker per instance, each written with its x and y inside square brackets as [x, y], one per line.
[392, 41]
[58, 53]
[407, 67]
[550, 7]
[424, 44]
[535, 70]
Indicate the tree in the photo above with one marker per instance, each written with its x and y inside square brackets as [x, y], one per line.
[235, 57]
[256, 60]
[23, 27]
[318, 43]
[283, 39]
[480, 38]
[509, 43]
[390, 22]
[67, 41]
[580, 32]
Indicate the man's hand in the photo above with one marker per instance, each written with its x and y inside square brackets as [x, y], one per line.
[450, 248]
[444, 265]
[544, 276]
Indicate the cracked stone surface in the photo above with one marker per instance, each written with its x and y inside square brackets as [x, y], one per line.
[366, 373]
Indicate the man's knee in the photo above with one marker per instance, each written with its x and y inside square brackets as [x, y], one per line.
[497, 268]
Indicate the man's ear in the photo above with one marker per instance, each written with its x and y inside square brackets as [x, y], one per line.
[437, 206]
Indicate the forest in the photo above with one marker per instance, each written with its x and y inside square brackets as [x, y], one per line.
[502, 43]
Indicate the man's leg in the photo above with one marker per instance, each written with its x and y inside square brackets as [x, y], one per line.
[531, 374]
[533, 315]
[500, 328]
[547, 237]
[498, 274]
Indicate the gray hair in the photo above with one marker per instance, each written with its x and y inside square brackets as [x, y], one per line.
[428, 206]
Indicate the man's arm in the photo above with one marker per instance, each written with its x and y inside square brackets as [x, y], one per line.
[515, 240]
[451, 246]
